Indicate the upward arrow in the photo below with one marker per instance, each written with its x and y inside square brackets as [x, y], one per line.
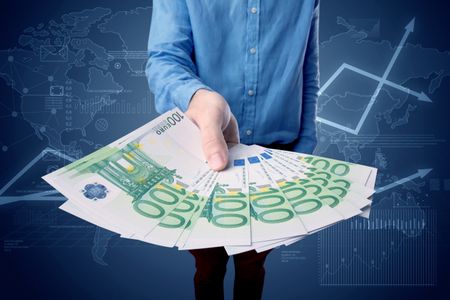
[408, 29]
[420, 173]
[410, 26]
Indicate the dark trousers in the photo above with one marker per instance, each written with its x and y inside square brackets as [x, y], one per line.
[211, 266]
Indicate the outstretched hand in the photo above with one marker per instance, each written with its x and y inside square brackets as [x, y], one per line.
[211, 113]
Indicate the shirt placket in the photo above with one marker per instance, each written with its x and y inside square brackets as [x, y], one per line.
[251, 70]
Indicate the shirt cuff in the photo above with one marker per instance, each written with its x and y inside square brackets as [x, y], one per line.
[184, 93]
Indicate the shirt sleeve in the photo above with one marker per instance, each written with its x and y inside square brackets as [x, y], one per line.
[170, 70]
[307, 140]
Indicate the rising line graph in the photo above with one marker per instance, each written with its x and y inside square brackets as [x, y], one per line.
[420, 173]
[382, 81]
[50, 195]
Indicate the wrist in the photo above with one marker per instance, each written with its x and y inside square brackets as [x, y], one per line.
[207, 101]
[200, 96]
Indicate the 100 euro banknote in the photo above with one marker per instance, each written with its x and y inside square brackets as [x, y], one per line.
[136, 181]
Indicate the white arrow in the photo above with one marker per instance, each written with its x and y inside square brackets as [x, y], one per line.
[420, 173]
[382, 80]
[408, 29]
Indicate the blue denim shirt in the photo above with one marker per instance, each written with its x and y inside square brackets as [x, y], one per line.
[261, 55]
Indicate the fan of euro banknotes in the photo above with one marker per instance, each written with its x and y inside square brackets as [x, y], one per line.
[154, 185]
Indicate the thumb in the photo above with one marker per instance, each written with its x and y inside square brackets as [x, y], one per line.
[214, 146]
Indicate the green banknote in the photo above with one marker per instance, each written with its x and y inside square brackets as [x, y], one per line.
[354, 172]
[225, 219]
[134, 182]
[316, 205]
[272, 216]
[171, 227]
[356, 193]
[312, 201]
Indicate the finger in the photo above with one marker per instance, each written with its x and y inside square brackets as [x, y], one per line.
[231, 132]
[214, 147]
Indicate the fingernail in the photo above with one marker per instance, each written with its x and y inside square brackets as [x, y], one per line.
[216, 161]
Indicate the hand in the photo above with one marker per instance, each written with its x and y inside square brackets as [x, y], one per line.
[211, 113]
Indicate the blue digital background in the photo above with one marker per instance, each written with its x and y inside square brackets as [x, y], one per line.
[57, 106]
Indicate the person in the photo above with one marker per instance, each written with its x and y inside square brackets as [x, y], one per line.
[241, 70]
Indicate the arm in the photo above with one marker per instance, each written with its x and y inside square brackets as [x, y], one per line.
[170, 70]
[172, 77]
[308, 131]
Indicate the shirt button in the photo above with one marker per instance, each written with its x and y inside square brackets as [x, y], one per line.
[253, 50]
[250, 92]
[248, 132]
[253, 10]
